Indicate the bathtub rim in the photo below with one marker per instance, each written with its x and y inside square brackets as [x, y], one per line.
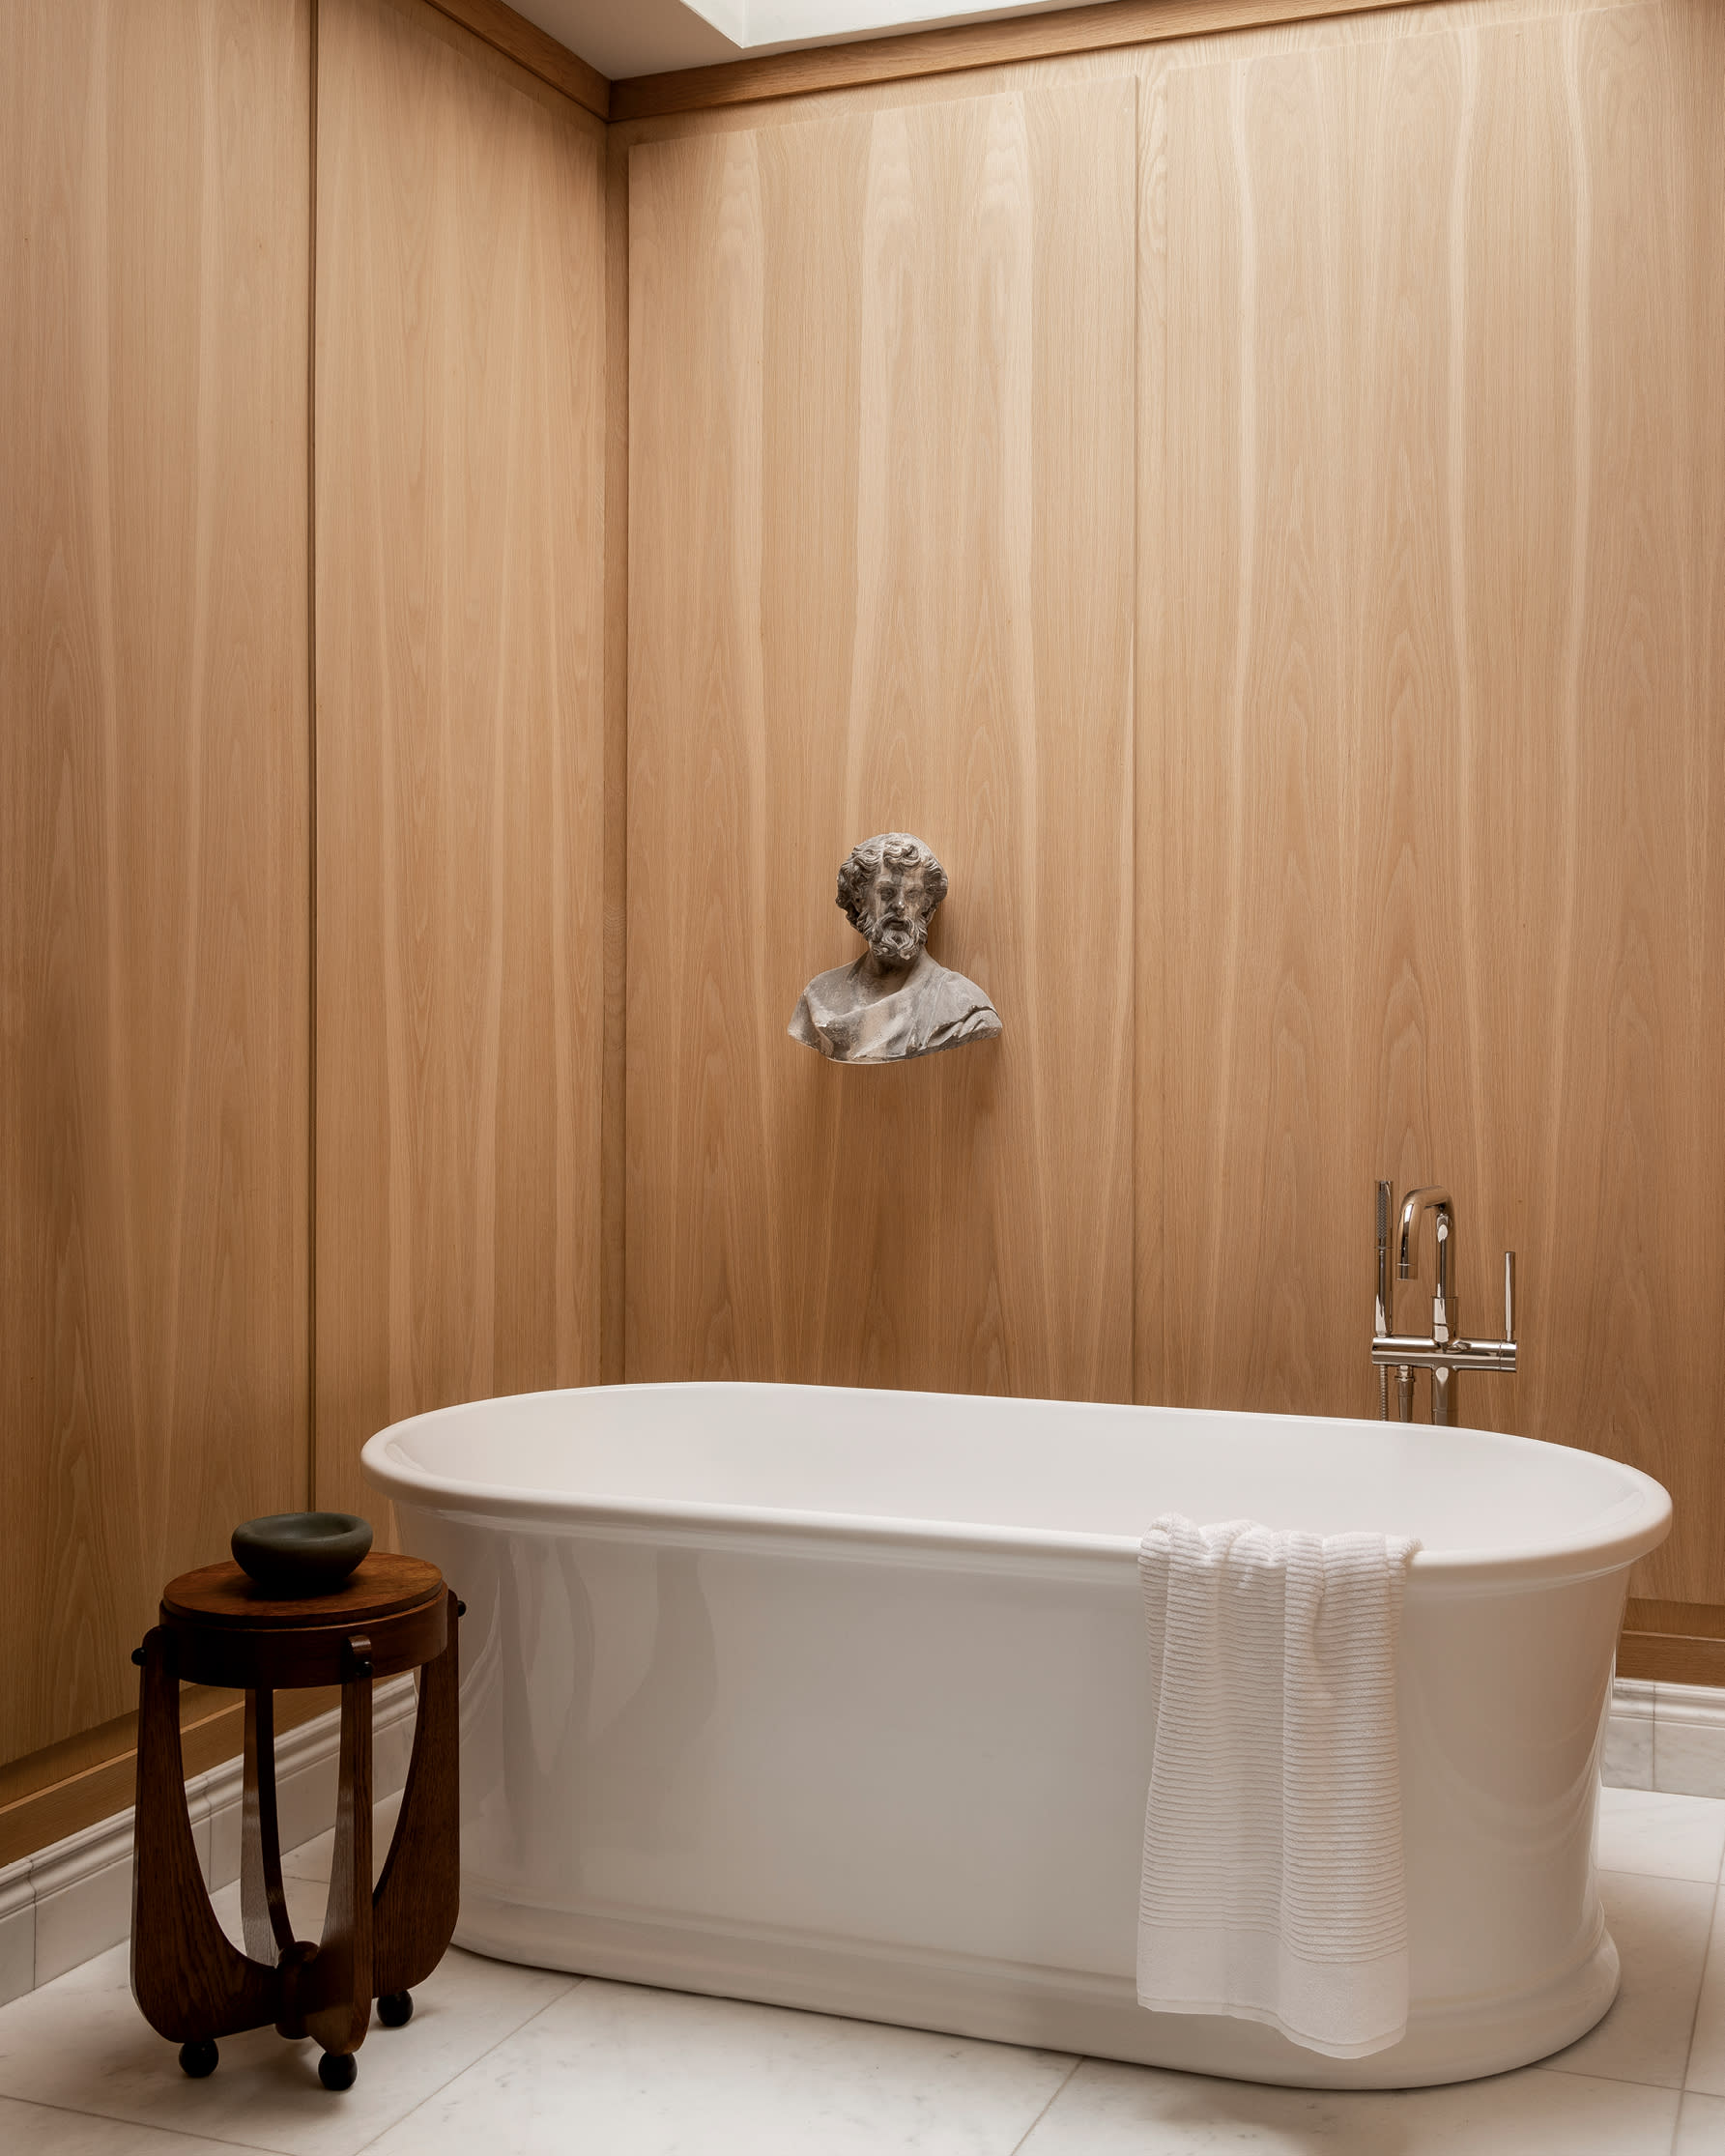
[1450, 1572]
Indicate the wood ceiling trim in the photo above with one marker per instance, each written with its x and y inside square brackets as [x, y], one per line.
[532, 49]
[964, 45]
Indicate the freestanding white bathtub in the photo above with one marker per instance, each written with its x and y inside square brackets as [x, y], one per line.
[841, 1700]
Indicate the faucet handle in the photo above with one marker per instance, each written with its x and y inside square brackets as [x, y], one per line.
[1508, 1295]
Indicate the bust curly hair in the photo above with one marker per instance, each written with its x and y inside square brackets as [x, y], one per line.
[896, 1000]
[890, 851]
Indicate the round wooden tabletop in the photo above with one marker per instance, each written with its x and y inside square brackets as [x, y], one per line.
[381, 1584]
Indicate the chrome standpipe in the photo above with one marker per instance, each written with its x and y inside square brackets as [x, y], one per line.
[1434, 1199]
[1381, 1322]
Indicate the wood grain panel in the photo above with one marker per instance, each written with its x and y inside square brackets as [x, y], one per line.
[152, 817]
[614, 1086]
[1444, 560]
[460, 272]
[881, 576]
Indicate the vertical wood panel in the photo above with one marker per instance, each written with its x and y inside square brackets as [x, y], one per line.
[152, 817]
[1150, 1378]
[881, 576]
[1445, 459]
[614, 1079]
[460, 425]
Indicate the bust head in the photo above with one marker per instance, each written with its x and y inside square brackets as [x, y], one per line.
[889, 890]
[895, 1001]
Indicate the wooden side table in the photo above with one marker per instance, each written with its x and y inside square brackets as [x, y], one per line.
[191, 1983]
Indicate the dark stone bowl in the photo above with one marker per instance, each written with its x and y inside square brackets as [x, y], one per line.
[296, 1554]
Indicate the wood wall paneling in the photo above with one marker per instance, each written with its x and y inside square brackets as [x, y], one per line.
[614, 1079]
[1445, 556]
[153, 818]
[1430, 645]
[460, 416]
[881, 561]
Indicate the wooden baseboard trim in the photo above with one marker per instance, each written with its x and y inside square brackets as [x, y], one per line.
[40, 1805]
[961, 45]
[1672, 1643]
[529, 47]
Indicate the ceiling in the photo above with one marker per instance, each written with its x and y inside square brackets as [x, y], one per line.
[623, 38]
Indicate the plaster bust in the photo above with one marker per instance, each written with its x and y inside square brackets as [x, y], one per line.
[894, 1001]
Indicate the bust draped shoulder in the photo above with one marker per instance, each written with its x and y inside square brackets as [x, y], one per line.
[852, 1016]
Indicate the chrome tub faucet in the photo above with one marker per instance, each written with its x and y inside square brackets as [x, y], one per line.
[1445, 1353]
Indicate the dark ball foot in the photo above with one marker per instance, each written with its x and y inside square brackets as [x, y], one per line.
[396, 2007]
[199, 2059]
[337, 2070]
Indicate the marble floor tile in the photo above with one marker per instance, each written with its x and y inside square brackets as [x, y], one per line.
[1706, 2054]
[80, 2043]
[1109, 2110]
[1700, 2126]
[634, 2072]
[1661, 1928]
[306, 1900]
[1671, 1837]
[36, 2130]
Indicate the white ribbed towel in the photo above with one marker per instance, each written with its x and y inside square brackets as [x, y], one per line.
[1272, 1885]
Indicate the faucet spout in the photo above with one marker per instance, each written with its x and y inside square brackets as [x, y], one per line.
[1435, 1198]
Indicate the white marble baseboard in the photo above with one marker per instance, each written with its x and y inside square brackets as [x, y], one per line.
[74, 1899]
[1666, 1736]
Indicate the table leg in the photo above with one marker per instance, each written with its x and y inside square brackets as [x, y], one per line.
[191, 1983]
[263, 1902]
[419, 1897]
[335, 1986]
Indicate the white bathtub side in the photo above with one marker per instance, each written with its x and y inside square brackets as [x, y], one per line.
[908, 1784]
